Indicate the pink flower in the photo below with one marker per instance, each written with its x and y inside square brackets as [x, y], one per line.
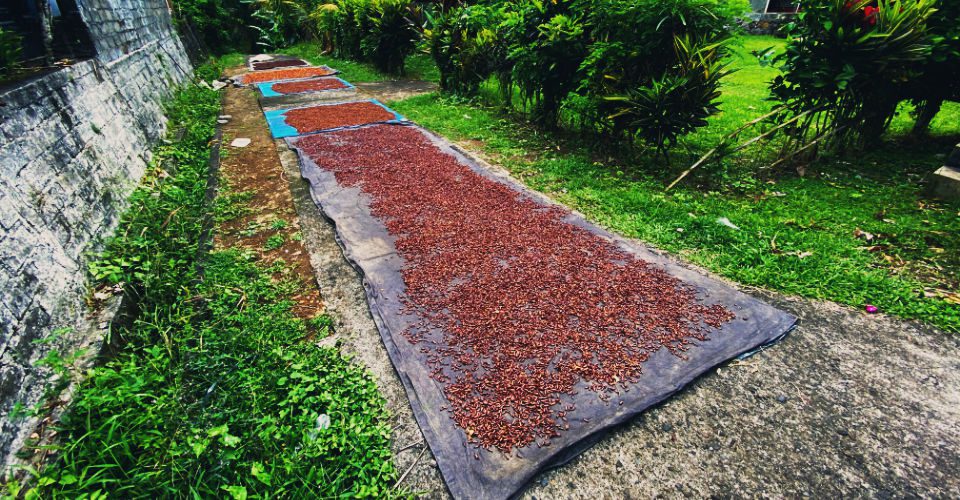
[871, 309]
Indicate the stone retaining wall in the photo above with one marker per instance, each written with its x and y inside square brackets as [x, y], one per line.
[73, 144]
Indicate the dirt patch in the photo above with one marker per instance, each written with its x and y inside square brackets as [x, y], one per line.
[395, 90]
[268, 226]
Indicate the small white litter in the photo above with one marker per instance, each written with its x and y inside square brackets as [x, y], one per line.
[217, 85]
[323, 421]
[240, 142]
[726, 222]
[261, 58]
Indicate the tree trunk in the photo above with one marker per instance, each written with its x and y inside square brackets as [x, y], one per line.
[926, 112]
[46, 29]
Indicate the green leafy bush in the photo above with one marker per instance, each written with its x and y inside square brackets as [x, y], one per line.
[674, 104]
[938, 78]
[389, 36]
[376, 31]
[10, 50]
[344, 20]
[221, 25]
[462, 43]
[848, 65]
[654, 68]
[634, 40]
[279, 23]
[645, 70]
[548, 41]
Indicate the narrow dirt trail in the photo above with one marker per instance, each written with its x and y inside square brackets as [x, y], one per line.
[268, 225]
[847, 404]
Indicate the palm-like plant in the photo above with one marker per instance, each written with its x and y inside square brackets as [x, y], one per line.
[461, 43]
[279, 22]
[389, 36]
[846, 66]
[548, 43]
[676, 103]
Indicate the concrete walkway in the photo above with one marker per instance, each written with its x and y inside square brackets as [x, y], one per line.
[847, 405]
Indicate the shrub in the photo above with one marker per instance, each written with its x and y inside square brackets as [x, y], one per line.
[461, 42]
[847, 65]
[389, 36]
[674, 104]
[377, 31]
[343, 20]
[222, 25]
[654, 68]
[10, 49]
[634, 40]
[548, 41]
[626, 67]
[278, 22]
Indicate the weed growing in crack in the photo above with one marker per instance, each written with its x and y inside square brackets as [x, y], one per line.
[274, 242]
[253, 227]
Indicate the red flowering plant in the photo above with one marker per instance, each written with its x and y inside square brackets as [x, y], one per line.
[846, 68]
[862, 12]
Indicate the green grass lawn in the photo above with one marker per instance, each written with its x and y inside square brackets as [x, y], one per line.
[856, 229]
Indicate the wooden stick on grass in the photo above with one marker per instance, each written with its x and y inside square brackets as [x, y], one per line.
[744, 145]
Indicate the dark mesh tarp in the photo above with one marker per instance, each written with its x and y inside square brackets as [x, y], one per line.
[370, 248]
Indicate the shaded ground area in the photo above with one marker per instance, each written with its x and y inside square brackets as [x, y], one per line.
[394, 90]
[847, 404]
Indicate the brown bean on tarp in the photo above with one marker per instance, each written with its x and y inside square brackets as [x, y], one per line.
[314, 85]
[325, 117]
[285, 74]
[537, 305]
[283, 63]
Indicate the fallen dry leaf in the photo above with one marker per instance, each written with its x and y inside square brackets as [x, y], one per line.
[859, 233]
[948, 296]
